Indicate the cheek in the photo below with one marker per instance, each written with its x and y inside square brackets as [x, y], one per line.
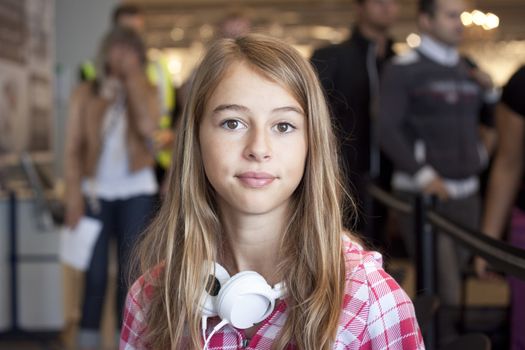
[295, 157]
[207, 155]
[215, 157]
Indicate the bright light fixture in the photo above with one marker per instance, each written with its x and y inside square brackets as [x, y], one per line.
[413, 40]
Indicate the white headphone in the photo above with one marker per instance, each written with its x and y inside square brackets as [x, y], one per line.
[242, 300]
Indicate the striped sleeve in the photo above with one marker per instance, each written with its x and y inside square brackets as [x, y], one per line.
[133, 321]
[391, 321]
[377, 313]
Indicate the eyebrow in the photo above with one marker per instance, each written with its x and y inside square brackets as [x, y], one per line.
[230, 107]
[240, 108]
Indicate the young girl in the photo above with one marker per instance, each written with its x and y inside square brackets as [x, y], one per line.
[256, 195]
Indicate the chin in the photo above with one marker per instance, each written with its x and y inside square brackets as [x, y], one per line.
[256, 207]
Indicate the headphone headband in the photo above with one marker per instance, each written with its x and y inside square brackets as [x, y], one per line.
[242, 300]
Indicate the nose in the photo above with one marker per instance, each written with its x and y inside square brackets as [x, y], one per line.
[258, 145]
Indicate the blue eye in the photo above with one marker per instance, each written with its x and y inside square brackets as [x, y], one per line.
[284, 128]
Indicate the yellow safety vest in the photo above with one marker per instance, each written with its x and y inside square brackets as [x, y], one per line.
[159, 75]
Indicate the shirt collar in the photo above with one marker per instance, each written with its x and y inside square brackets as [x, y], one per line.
[439, 52]
[363, 42]
[358, 38]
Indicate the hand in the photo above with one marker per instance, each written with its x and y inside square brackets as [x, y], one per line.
[482, 270]
[480, 267]
[129, 62]
[483, 78]
[437, 187]
[123, 60]
[110, 88]
[164, 139]
[73, 214]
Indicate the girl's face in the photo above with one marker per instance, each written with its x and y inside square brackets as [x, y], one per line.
[253, 140]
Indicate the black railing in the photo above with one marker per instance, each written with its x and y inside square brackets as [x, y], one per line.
[503, 257]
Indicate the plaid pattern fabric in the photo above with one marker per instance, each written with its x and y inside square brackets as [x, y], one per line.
[377, 314]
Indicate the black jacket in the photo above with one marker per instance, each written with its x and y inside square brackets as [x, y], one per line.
[351, 89]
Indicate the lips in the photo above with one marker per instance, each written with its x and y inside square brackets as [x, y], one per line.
[256, 179]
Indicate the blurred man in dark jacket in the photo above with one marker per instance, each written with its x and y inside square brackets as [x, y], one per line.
[350, 74]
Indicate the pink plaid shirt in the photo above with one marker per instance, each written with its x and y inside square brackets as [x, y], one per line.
[376, 314]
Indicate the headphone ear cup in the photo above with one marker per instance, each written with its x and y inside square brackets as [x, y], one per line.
[245, 300]
[214, 284]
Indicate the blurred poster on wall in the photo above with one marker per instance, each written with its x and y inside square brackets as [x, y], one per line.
[26, 77]
[39, 14]
[13, 30]
[13, 108]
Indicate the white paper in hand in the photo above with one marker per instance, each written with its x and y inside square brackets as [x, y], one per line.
[77, 244]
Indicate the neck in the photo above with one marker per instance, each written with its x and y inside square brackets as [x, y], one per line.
[378, 35]
[253, 241]
[439, 42]
[438, 51]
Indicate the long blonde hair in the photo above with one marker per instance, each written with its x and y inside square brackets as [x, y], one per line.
[187, 232]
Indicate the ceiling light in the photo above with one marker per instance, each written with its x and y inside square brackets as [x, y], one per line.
[413, 40]
[177, 34]
[491, 21]
[466, 19]
[478, 17]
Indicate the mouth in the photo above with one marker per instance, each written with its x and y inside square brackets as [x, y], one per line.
[256, 179]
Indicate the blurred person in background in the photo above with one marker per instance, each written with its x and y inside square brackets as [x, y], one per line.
[350, 75]
[429, 126]
[131, 16]
[234, 25]
[109, 165]
[506, 193]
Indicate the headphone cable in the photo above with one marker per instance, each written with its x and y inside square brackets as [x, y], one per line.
[204, 326]
[215, 329]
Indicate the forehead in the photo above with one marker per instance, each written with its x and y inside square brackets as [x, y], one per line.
[118, 45]
[450, 5]
[242, 84]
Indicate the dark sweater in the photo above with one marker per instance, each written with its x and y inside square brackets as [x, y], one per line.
[437, 106]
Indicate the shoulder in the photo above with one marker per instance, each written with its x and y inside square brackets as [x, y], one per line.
[142, 290]
[82, 90]
[330, 49]
[80, 97]
[517, 80]
[356, 257]
[375, 307]
[408, 58]
[366, 280]
[512, 95]
[402, 66]
[363, 271]
[520, 73]
[134, 322]
[331, 52]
